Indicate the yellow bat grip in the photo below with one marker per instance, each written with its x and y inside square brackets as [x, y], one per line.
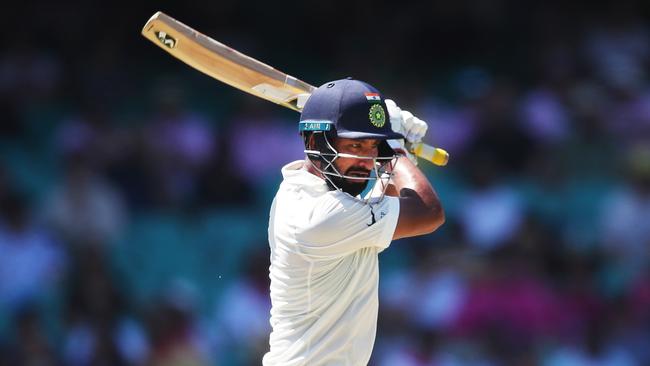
[429, 153]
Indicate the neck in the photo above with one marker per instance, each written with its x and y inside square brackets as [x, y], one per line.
[308, 166]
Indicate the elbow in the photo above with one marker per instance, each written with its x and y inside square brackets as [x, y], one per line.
[436, 218]
[439, 218]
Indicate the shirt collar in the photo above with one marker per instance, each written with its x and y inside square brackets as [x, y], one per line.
[294, 173]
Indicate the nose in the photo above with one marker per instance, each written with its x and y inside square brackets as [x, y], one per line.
[366, 163]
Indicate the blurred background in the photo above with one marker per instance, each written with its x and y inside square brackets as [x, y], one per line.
[135, 191]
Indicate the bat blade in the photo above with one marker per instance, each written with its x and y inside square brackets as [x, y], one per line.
[242, 72]
[224, 63]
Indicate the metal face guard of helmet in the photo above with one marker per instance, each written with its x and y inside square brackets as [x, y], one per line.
[372, 188]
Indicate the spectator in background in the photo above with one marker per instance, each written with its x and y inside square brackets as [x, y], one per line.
[276, 141]
[242, 313]
[84, 209]
[28, 73]
[32, 264]
[431, 292]
[545, 116]
[421, 304]
[498, 132]
[277, 138]
[31, 346]
[176, 334]
[598, 347]
[492, 209]
[625, 214]
[454, 125]
[222, 183]
[638, 328]
[100, 329]
[92, 131]
[508, 298]
[580, 299]
[179, 143]
[618, 49]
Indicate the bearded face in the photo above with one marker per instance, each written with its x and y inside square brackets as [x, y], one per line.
[351, 186]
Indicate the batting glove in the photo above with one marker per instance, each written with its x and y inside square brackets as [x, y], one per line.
[412, 128]
[405, 123]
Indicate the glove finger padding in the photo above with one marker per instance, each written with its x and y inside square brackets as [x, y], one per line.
[418, 131]
[394, 115]
[405, 123]
[409, 126]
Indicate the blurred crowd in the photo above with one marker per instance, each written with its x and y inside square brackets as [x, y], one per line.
[133, 225]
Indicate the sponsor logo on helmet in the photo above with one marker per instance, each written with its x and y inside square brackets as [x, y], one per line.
[313, 125]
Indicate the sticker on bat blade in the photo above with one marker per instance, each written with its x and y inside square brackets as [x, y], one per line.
[166, 39]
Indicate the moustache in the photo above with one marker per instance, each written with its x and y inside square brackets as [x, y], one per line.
[357, 172]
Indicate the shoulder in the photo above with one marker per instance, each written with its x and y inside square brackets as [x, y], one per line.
[335, 204]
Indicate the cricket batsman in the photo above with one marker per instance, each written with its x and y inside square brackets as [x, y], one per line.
[357, 189]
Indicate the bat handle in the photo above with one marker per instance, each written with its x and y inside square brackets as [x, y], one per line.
[429, 153]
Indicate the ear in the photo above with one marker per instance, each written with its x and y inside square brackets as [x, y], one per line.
[311, 160]
[311, 142]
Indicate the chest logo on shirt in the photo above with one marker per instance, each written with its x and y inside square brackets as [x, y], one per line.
[372, 214]
[373, 218]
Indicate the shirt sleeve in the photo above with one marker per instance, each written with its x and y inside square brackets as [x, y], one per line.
[341, 225]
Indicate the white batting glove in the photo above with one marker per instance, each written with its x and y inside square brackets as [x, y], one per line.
[412, 128]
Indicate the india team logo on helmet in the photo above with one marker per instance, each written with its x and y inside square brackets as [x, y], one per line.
[377, 115]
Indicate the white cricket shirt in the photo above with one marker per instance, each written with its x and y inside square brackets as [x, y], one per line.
[324, 271]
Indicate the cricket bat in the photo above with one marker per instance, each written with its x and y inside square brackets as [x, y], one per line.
[243, 72]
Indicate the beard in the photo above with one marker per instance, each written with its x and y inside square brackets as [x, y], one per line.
[350, 186]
